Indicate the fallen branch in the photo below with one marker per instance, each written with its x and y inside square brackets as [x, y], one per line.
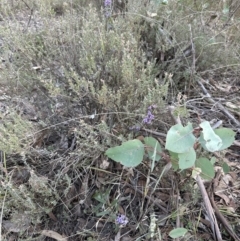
[154, 132]
[214, 225]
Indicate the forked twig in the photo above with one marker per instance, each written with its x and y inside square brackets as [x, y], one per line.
[30, 17]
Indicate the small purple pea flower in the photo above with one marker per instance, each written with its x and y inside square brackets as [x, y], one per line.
[107, 3]
[149, 117]
[121, 220]
[107, 8]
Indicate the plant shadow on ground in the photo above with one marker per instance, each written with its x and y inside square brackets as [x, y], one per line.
[78, 78]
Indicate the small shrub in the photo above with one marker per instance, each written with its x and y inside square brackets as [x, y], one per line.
[181, 143]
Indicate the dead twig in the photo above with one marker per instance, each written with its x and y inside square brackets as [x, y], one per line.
[30, 17]
[214, 225]
[154, 132]
[193, 70]
[220, 217]
[219, 105]
[231, 16]
[178, 213]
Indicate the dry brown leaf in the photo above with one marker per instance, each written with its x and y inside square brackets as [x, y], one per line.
[84, 189]
[129, 190]
[223, 87]
[223, 186]
[52, 216]
[230, 209]
[104, 165]
[224, 197]
[54, 235]
[162, 196]
[121, 210]
[140, 138]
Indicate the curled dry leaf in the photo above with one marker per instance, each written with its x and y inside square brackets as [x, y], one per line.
[54, 235]
[222, 189]
[104, 165]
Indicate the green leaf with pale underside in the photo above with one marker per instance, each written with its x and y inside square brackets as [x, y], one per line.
[153, 148]
[208, 139]
[207, 168]
[178, 232]
[129, 154]
[180, 139]
[187, 159]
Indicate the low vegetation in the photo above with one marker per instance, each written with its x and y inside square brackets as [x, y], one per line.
[80, 78]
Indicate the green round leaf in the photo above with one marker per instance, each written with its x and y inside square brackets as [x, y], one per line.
[213, 160]
[129, 154]
[180, 139]
[226, 168]
[174, 160]
[227, 135]
[153, 148]
[208, 138]
[178, 232]
[207, 168]
[187, 159]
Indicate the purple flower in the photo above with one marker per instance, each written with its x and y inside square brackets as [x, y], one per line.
[135, 128]
[149, 117]
[107, 8]
[107, 3]
[151, 107]
[121, 220]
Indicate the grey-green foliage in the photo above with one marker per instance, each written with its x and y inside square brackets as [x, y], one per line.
[34, 199]
[92, 59]
[16, 133]
[101, 65]
[109, 64]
